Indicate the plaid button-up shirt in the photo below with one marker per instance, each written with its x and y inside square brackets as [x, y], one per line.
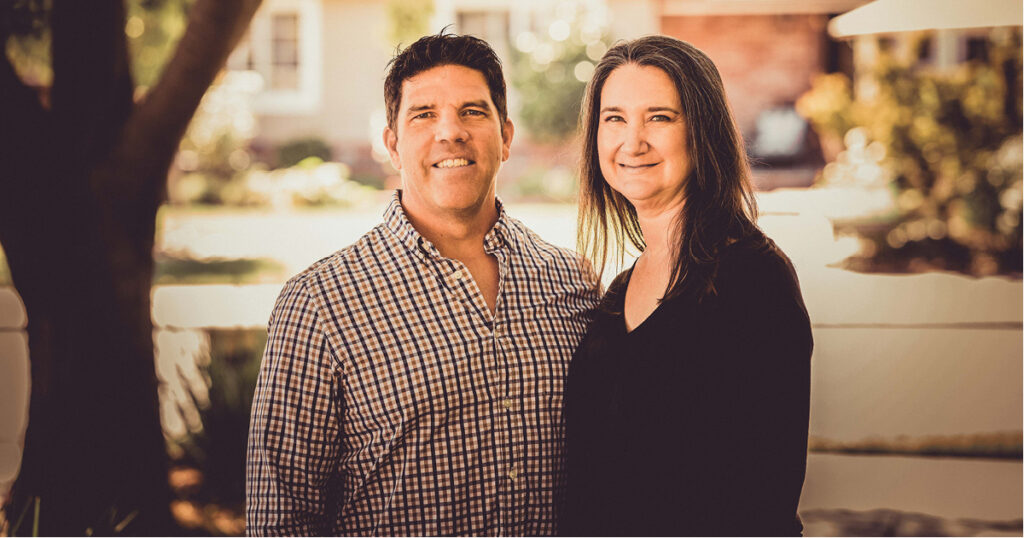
[391, 402]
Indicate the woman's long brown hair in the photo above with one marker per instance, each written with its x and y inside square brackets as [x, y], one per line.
[719, 203]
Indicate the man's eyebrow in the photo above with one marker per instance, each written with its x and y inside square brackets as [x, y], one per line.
[480, 103]
[418, 108]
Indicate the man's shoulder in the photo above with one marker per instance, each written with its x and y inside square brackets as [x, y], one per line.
[543, 256]
[370, 256]
[530, 243]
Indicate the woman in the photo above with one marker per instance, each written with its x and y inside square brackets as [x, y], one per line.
[687, 401]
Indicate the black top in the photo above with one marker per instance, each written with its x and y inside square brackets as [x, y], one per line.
[694, 423]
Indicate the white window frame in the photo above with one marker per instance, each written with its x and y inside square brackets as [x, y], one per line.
[306, 98]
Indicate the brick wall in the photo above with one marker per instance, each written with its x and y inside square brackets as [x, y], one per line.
[765, 60]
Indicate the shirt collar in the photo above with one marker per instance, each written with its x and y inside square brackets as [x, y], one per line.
[395, 219]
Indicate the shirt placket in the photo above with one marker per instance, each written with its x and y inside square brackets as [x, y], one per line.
[509, 406]
[499, 357]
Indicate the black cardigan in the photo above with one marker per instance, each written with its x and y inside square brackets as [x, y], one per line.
[694, 423]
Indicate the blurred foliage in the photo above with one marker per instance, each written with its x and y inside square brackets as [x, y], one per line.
[309, 183]
[110, 523]
[541, 184]
[214, 150]
[209, 460]
[948, 144]
[25, 34]
[408, 20]
[291, 153]
[1001, 445]
[23, 17]
[182, 270]
[550, 70]
[153, 28]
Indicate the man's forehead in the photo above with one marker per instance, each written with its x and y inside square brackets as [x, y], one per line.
[445, 84]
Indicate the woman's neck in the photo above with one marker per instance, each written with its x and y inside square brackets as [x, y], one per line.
[659, 227]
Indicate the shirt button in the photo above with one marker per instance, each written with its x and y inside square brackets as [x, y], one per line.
[513, 473]
[457, 275]
[508, 403]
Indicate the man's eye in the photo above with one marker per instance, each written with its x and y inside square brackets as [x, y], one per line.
[422, 115]
[472, 112]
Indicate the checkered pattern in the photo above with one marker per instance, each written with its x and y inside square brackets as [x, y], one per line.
[390, 402]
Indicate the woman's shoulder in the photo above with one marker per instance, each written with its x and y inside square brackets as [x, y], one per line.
[756, 262]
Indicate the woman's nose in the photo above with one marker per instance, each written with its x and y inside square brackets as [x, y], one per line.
[635, 141]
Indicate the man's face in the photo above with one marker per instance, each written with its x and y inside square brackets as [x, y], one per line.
[448, 142]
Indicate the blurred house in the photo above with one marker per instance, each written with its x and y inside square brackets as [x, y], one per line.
[322, 62]
[937, 35]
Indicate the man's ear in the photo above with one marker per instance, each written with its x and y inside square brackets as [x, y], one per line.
[507, 131]
[391, 142]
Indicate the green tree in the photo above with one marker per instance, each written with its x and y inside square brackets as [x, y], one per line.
[408, 20]
[551, 72]
[84, 170]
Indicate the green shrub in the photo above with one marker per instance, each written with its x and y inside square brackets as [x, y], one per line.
[218, 448]
[551, 76]
[294, 152]
[948, 144]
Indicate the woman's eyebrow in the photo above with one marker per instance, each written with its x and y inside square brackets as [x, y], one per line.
[649, 109]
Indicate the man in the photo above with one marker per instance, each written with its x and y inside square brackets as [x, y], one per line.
[412, 382]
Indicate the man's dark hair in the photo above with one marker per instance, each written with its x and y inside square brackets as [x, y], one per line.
[438, 50]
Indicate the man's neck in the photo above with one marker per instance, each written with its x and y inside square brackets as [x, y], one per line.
[457, 235]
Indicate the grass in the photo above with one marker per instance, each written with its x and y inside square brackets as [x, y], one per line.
[174, 270]
[998, 445]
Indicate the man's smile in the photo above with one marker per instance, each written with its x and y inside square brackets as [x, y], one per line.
[453, 163]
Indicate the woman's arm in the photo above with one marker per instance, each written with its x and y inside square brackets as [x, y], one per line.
[771, 345]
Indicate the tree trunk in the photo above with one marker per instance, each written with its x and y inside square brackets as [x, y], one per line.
[94, 452]
[80, 184]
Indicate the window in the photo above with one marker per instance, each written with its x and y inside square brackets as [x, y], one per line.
[284, 65]
[491, 26]
[283, 45]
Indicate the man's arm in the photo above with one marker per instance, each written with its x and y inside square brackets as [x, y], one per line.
[294, 433]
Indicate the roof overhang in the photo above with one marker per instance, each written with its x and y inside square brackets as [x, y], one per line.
[892, 16]
[756, 7]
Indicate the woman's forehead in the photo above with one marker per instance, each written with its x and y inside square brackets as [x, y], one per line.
[644, 86]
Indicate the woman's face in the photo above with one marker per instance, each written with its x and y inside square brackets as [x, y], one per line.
[641, 137]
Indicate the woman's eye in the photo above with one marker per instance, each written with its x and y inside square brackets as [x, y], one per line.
[613, 119]
[660, 117]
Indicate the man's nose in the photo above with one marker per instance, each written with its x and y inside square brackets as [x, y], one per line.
[449, 128]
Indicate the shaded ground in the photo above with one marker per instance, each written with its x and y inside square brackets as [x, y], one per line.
[884, 522]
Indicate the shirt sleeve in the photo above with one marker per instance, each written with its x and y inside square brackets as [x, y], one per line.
[294, 432]
[770, 392]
